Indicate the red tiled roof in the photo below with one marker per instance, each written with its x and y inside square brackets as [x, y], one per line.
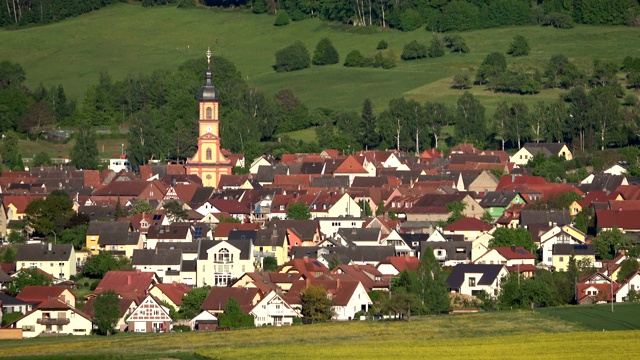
[174, 291]
[223, 229]
[218, 297]
[350, 166]
[129, 284]
[468, 224]
[627, 220]
[625, 205]
[305, 266]
[629, 192]
[519, 252]
[522, 268]
[40, 293]
[604, 291]
[401, 263]
[519, 180]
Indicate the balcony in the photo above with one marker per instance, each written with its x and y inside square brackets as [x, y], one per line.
[264, 254]
[53, 321]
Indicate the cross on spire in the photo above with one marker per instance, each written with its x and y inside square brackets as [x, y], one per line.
[209, 56]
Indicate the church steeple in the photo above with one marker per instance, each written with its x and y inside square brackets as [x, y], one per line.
[209, 91]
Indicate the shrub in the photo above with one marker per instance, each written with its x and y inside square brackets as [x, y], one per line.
[414, 50]
[181, 328]
[558, 20]
[456, 43]
[436, 48]
[259, 7]
[294, 57]
[94, 285]
[354, 59]
[325, 53]
[385, 61]
[282, 19]
[382, 45]
[519, 46]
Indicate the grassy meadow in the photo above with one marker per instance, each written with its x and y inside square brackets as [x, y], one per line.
[107, 148]
[599, 317]
[509, 334]
[129, 39]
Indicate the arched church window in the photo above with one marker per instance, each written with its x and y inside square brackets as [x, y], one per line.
[209, 113]
[209, 154]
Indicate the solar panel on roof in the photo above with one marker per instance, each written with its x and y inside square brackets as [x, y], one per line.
[197, 232]
[522, 251]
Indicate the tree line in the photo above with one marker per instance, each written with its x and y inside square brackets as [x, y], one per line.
[448, 15]
[27, 12]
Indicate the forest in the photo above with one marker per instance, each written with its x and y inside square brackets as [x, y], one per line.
[405, 15]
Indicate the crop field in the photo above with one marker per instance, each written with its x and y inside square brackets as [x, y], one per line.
[129, 39]
[599, 317]
[513, 335]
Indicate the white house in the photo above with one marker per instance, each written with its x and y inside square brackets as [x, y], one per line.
[529, 150]
[150, 316]
[220, 262]
[471, 279]
[329, 225]
[273, 310]
[54, 317]
[632, 282]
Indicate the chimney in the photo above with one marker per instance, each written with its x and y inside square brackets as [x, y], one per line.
[337, 284]
[49, 246]
[513, 178]
[513, 248]
[138, 271]
[308, 283]
[129, 280]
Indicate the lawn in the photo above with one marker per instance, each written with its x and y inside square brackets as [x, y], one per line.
[107, 148]
[599, 317]
[485, 335]
[129, 39]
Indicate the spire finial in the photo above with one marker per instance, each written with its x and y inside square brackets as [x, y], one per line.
[209, 56]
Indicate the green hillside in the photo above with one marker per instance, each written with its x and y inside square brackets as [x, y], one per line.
[129, 39]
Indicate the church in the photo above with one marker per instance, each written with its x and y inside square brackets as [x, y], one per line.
[209, 163]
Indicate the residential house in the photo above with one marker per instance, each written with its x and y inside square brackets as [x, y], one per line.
[299, 232]
[360, 237]
[150, 316]
[34, 295]
[128, 284]
[469, 228]
[112, 230]
[216, 301]
[624, 220]
[54, 316]
[58, 260]
[394, 265]
[120, 243]
[309, 267]
[130, 190]
[471, 279]
[223, 230]
[631, 282]
[516, 258]
[496, 202]
[529, 150]
[126, 306]
[348, 298]
[176, 232]
[451, 253]
[593, 293]
[370, 277]
[566, 234]
[272, 242]
[273, 310]
[562, 253]
[221, 262]
[165, 263]
[433, 207]
[329, 226]
[11, 304]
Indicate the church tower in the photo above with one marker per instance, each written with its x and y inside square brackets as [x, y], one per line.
[208, 162]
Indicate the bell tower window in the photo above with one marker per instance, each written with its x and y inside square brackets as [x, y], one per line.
[209, 113]
[208, 156]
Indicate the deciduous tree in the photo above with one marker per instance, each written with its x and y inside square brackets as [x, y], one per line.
[316, 306]
[106, 311]
[27, 277]
[298, 211]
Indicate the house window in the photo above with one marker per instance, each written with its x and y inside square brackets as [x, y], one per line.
[472, 281]
[223, 256]
[561, 259]
[281, 207]
[221, 279]
[209, 155]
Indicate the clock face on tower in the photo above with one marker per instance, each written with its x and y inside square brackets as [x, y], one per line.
[208, 129]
